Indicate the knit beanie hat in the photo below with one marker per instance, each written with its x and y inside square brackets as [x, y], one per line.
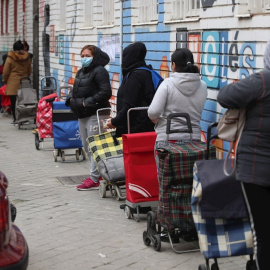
[266, 57]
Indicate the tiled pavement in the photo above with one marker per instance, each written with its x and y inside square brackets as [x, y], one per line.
[76, 230]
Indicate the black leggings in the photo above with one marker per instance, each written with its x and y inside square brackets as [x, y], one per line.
[13, 105]
[259, 201]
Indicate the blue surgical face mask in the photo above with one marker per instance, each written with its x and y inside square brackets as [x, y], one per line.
[86, 61]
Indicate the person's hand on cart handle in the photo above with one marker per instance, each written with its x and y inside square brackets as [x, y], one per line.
[109, 124]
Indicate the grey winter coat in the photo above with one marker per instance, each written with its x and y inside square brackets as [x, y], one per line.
[92, 85]
[181, 93]
[253, 152]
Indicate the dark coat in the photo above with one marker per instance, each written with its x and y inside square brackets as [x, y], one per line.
[136, 90]
[92, 85]
[253, 152]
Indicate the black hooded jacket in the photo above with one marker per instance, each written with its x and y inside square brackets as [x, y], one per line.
[92, 85]
[136, 90]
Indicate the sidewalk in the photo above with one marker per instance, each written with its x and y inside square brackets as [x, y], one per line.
[77, 230]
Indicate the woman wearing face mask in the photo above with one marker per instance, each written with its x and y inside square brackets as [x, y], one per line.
[91, 91]
[183, 92]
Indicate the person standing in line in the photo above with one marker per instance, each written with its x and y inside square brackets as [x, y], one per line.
[253, 151]
[182, 92]
[91, 91]
[136, 90]
[17, 65]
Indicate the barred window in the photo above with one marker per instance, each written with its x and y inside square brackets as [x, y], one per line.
[185, 8]
[148, 10]
[62, 15]
[108, 12]
[88, 13]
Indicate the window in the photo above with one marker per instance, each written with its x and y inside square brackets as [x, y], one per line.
[62, 16]
[108, 12]
[2, 17]
[15, 16]
[7, 8]
[247, 7]
[185, 8]
[88, 13]
[148, 10]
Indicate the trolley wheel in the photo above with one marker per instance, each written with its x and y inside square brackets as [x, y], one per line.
[118, 193]
[37, 141]
[55, 153]
[157, 242]
[151, 219]
[146, 239]
[19, 125]
[202, 267]
[128, 213]
[102, 190]
[214, 266]
[251, 265]
[77, 154]
[113, 191]
[63, 155]
[83, 154]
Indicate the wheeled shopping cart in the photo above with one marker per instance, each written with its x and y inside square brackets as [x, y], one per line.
[66, 134]
[219, 212]
[107, 152]
[140, 171]
[173, 221]
[26, 103]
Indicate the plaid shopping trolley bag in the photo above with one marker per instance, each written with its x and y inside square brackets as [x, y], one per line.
[220, 214]
[107, 150]
[175, 177]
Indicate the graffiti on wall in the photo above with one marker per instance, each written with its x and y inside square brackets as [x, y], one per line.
[220, 55]
[209, 3]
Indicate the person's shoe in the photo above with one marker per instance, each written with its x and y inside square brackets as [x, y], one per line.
[88, 184]
[87, 179]
[14, 122]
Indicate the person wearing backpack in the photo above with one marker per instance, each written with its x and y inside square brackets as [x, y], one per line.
[182, 92]
[137, 90]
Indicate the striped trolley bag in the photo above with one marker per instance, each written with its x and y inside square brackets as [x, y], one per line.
[173, 221]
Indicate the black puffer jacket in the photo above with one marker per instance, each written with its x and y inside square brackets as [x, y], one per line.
[92, 85]
[253, 152]
[136, 90]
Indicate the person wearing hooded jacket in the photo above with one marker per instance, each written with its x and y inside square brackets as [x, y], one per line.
[182, 92]
[136, 90]
[91, 91]
[253, 155]
[17, 65]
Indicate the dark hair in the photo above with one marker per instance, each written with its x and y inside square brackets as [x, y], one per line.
[184, 61]
[17, 46]
[26, 46]
[91, 48]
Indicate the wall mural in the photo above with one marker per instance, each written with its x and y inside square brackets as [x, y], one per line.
[209, 3]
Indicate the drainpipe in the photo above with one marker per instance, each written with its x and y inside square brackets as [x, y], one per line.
[121, 39]
[36, 46]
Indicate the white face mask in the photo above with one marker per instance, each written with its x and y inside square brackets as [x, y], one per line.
[86, 61]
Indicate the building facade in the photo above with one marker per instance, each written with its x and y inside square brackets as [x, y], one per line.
[227, 37]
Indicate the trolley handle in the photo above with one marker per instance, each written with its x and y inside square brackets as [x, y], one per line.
[68, 87]
[178, 130]
[133, 109]
[24, 78]
[210, 137]
[98, 116]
